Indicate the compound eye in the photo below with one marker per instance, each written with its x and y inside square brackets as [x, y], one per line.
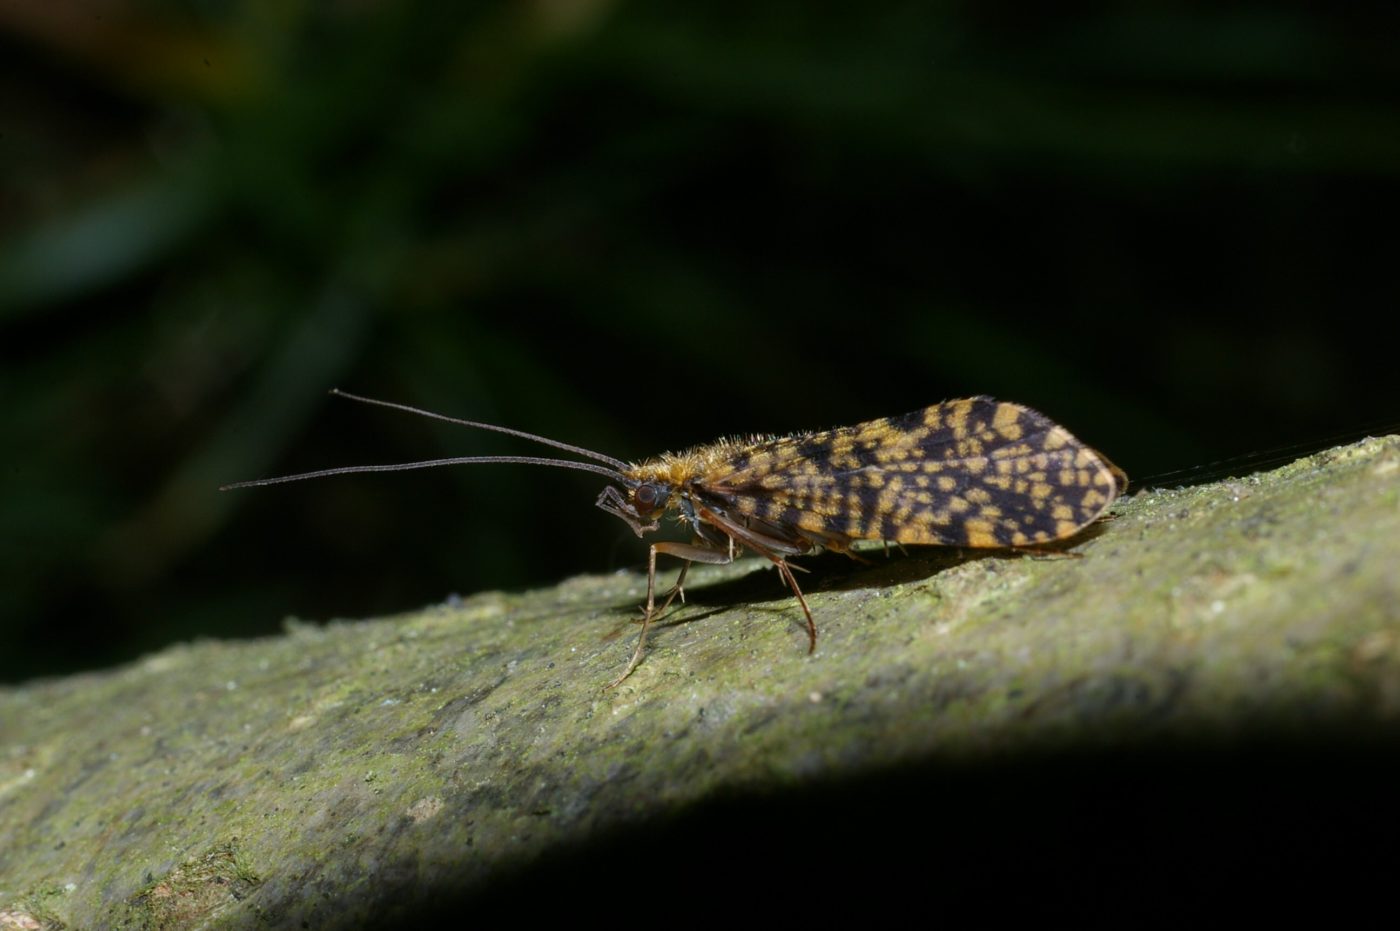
[646, 496]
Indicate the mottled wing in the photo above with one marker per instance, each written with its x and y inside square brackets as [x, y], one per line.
[973, 472]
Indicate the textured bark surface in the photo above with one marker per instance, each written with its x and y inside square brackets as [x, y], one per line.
[345, 774]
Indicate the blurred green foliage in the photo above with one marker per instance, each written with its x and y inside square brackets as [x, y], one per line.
[633, 227]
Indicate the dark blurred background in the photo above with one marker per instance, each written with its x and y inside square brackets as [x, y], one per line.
[635, 227]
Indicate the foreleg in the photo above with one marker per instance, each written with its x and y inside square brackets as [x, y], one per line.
[690, 552]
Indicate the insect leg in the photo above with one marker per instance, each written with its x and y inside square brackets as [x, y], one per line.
[677, 589]
[837, 543]
[776, 550]
[690, 553]
[786, 572]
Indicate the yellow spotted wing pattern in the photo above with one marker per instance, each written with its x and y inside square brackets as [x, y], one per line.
[975, 472]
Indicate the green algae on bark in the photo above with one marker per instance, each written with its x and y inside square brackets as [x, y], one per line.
[338, 773]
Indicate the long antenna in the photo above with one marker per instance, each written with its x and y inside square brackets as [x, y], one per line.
[615, 463]
[428, 464]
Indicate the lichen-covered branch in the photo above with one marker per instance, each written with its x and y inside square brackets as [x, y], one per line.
[331, 775]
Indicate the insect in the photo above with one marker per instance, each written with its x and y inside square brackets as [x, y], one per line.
[975, 472]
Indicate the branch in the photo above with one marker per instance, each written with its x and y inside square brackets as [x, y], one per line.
[349, 772]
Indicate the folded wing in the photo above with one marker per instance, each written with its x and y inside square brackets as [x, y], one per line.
[975, 472]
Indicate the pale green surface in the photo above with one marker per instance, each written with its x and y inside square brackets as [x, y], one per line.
[318, 775]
